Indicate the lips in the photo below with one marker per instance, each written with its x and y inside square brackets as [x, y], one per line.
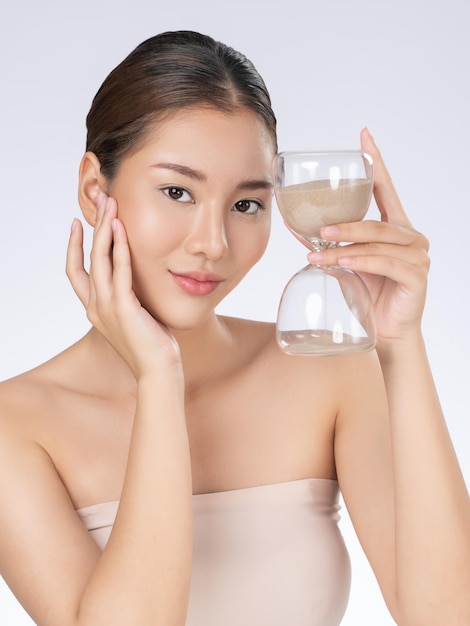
[197, 283]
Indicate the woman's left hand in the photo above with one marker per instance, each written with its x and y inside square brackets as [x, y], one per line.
[390, 256]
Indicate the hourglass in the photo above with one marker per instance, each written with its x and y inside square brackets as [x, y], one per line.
[323, 310]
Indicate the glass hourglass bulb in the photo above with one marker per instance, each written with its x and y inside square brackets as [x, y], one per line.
[323, 310]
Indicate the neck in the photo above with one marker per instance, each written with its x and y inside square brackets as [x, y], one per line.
[204, 351]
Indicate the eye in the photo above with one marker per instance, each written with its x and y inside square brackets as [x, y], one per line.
[178, 194]
[250, 207]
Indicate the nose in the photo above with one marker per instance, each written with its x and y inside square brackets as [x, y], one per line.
[208, 235]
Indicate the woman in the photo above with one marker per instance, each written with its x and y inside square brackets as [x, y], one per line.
[158, 473]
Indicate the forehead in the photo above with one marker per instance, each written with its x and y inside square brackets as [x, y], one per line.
[210, 139]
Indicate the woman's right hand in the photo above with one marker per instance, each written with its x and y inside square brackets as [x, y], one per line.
[107, 294]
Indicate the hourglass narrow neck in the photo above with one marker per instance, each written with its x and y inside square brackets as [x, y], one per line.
[320, 244]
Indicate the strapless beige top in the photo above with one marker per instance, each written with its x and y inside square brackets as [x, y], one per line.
[263, 556]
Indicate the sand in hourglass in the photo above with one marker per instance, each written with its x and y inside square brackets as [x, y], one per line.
[309, 206]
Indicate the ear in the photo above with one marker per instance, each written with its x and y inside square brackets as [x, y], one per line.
[91, 186]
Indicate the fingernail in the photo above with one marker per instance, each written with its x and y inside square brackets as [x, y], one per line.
[74, 225]
[315, 257]
[370, 134]
[329, 232]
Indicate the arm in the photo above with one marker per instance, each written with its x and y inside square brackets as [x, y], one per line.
[396, 465]
[144, 572]
[53, 566]
[147, 562]
[432, 504]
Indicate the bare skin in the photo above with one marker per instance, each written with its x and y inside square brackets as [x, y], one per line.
[130, 414]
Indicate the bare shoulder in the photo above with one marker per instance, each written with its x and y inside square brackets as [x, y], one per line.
[321, 392]
[26, 398]
[34, 502]
[53, 390]
[20, 399]
[343, 373]
[38, 417]
[298, 402]
[26, 403]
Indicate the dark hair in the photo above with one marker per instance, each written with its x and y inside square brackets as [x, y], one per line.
[165, 73]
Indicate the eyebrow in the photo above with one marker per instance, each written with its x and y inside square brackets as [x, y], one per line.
[184, 170]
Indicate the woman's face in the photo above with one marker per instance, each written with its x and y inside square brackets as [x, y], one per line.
[195, 201]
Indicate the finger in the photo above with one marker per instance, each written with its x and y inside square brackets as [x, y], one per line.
[74, 267]
[352, 255]
[374, 231]
[408, 254]
[386, 197]
[100, 201]
[101, 271]
[410, 275]
[122, 269]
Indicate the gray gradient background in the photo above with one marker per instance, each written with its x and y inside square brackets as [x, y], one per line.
[399, 67]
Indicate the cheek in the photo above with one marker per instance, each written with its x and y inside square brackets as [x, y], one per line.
[149, 241]
[253, 247]
[149, 231]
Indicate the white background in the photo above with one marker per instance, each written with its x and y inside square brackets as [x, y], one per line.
[399, 67]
